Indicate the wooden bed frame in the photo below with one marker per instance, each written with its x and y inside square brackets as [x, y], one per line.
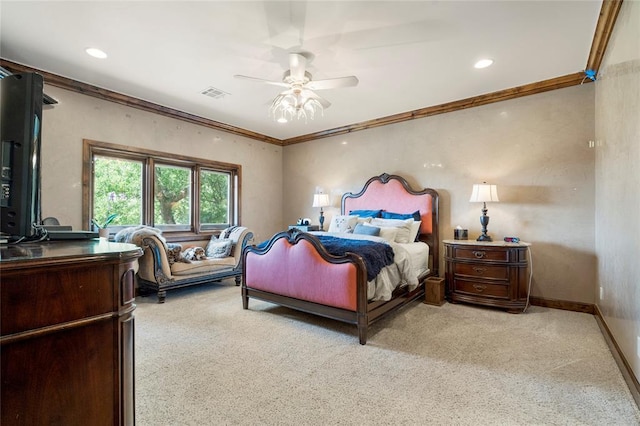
[294, 270]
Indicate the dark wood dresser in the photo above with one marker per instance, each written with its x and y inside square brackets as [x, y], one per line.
[487, 273]
[67, 333]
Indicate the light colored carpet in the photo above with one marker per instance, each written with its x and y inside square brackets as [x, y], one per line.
[203, 360]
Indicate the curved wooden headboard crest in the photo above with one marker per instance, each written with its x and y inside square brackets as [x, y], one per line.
[393, 193]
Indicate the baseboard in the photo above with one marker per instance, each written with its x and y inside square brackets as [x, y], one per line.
[623, 365]
[566, 305]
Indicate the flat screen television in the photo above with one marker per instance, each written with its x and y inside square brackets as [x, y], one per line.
[21, 99]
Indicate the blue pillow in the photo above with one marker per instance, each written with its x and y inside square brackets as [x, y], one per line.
[390, 215]
[367, 230]
[366, 213]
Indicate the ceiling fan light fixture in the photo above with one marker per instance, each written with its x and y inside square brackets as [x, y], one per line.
[287, 106]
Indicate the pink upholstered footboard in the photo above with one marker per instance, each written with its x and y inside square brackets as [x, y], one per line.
[294, 269]
[299, 271]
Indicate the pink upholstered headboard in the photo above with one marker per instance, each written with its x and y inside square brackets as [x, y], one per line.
[392, 193]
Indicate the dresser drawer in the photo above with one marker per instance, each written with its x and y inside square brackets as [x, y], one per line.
[481, 288]
[480, 253]
[481, 270]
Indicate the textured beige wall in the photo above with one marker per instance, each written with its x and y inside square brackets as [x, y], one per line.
[618, 184]
[79, 117]
[536, 149]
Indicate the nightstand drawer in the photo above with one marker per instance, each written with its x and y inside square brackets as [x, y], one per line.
[481, 253]
[481, 270]
[481, 288]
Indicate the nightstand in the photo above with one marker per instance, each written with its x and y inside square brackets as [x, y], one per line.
[305, 228]
[487, 273]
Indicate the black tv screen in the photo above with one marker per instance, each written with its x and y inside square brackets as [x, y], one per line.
[21, 98]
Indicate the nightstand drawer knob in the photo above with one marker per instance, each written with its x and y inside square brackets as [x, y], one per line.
[479, 254]
[479, 288]
[479, 271]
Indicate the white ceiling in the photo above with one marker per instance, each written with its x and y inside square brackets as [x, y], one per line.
[407, 55]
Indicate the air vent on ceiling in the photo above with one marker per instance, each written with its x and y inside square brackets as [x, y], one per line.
[214, 93]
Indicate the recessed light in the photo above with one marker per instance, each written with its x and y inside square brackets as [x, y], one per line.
[96, 53]
[483, 63]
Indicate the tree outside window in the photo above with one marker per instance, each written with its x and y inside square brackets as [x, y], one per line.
[215, 193]
[117, 188]
[172, 195]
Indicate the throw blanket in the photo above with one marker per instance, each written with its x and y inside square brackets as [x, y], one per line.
[135, 234]
[375, 255]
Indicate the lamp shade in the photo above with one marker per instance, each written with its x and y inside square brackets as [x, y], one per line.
[321, 200]
[483, 192]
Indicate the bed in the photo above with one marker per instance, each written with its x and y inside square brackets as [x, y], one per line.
[303, 270]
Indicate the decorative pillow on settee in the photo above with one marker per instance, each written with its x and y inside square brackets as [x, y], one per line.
[219, 248]
[174, 254]
[194, 253]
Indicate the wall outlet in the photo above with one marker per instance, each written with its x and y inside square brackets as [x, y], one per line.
[638, 351]
[601, 293]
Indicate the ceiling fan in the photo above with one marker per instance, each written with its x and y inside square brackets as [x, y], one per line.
[300, 100]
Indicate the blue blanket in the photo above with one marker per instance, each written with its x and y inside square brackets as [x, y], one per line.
[375, 255]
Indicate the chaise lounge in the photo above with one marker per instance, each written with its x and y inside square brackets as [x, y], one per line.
[159, 271]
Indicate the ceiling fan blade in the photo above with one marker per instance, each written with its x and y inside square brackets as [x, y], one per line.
[333, 83]
[260, 80]
[297, 65]
[312, 95]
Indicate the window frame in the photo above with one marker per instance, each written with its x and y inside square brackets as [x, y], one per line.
[149, 159]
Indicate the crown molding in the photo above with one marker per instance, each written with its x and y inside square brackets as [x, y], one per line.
[604, 27]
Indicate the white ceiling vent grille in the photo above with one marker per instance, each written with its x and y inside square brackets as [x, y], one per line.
[214, 93]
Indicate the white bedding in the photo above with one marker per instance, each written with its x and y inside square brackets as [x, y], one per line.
[410, 262]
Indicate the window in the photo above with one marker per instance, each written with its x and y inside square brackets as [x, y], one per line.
[171, 192]
[172, 196]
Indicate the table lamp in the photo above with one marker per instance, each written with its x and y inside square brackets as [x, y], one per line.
[321, 200]
[484, 193]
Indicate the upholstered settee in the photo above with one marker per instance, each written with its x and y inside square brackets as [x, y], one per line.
[161, 270]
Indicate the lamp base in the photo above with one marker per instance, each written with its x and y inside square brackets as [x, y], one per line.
[484, 221]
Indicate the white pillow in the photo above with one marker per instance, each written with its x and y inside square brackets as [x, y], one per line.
[403, 226]
[364, 219]
[343, 223]
[415, 230]
[387, 232]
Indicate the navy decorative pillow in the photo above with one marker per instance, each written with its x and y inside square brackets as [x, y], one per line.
[366, 213]
[390, 215]
[367, 230]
